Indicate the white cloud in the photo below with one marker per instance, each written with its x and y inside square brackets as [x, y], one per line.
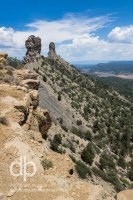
[6, 36]
[92, 48]
[74, 37]
[58, 31]
[121, 35]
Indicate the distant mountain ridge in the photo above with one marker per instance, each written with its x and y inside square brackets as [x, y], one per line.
[114, 67]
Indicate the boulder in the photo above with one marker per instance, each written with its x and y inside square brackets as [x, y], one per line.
[44, 121]
[31, 122]
[34, 94]
[125, 195]
[38, 120]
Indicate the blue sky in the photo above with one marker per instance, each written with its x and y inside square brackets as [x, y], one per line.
[82, 30]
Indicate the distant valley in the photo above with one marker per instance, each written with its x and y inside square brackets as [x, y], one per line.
[116, 74]
[121, 69]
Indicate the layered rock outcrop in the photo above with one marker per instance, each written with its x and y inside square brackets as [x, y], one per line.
[27, 78]
[32, 116]
[33, 46]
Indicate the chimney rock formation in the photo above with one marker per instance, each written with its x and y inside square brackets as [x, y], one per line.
[52, 53]
[33, 45]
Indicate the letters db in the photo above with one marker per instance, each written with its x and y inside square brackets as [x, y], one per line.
[23, 168]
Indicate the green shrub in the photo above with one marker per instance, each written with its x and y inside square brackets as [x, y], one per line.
[88, 153]
[44, 78]
[72, 158]
[58, 138]
[75, 105]
[121, 162]
[44, 62]
[82, 134]
[88, 135]
[130, 174]
[125, 182]
[106, 161]
[56, 142]
[76, 131]
[42, 57]
[110, 177]
[61, 120]
[14, 62]
[98, 172]
[87, 156]
[51, 61]
[36, 70]
[61, 151]
[64, 128]
[83, 170]
[54, 145]
[72, 148]
[59, 97]
[46, 164]
[79, 122]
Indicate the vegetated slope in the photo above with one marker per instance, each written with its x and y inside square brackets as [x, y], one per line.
[123, 86]
[116, 67]
[98, 114]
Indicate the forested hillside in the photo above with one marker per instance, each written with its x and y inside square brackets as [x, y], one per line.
[116, 67]
[97, 114]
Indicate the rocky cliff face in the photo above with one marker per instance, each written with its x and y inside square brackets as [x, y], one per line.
[34, 118]
[27, 112]
[33, 46]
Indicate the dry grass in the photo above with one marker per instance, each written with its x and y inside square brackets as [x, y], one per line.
[18, 94]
